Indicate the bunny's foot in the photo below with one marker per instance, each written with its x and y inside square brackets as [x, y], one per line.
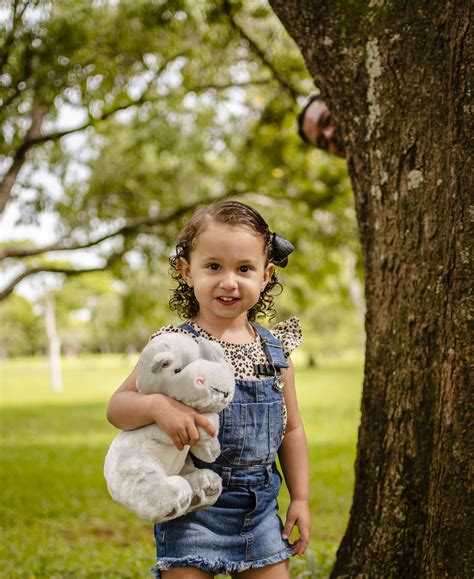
[167, 499]
[206, 487]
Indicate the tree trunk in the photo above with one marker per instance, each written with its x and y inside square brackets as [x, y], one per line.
[395, 76]
[54, 343]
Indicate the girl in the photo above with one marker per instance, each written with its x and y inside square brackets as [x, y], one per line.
[225, 268]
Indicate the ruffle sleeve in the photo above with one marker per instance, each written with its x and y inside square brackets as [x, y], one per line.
[289, 333]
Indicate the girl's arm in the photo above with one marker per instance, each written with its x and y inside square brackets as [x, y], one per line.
[128, 409]
[293, 454]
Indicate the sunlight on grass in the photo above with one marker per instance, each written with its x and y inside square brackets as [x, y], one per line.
[86, 378]
[58, 518]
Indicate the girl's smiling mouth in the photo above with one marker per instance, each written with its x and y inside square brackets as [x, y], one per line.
[227, 300]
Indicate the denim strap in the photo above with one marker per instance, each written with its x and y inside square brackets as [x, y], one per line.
[272, 346]
[189, 329]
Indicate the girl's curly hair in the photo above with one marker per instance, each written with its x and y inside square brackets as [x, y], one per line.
[183, 300]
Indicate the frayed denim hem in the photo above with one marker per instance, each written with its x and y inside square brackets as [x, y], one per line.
[218, 565]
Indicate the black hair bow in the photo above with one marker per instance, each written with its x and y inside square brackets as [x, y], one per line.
[281, 249]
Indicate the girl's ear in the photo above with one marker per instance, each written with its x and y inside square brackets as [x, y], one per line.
[185, 270]
[267, 274]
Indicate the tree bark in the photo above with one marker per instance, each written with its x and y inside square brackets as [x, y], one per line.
[395, 76]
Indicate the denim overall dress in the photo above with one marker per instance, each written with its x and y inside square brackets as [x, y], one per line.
[242, 529]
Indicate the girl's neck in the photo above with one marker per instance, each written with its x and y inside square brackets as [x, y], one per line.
[238, 331]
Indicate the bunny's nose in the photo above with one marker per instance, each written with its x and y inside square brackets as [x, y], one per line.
[199, 381]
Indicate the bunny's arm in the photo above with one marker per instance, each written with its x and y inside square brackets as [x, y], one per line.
[207, 448]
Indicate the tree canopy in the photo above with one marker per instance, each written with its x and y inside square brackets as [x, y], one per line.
[119, 118]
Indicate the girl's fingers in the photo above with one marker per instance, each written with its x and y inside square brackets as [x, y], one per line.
[290, 523]
[193, 434]
[181, 425]
[184, 433]
[299, 547]
[184, 438]
[177, 442]
[203, 422]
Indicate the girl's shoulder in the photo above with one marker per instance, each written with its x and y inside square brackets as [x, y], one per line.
[289, 333]
[170, 329]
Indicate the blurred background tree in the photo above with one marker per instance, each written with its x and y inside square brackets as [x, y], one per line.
[119, 118]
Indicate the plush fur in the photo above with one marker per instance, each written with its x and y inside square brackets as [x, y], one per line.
[144, 471]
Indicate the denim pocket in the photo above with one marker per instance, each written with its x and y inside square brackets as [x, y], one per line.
[251, 433]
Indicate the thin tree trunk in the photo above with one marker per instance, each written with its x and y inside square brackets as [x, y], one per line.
[395, 76]
[54, 343]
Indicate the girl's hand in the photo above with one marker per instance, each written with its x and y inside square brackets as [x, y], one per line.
[179, 421]
[298, 514]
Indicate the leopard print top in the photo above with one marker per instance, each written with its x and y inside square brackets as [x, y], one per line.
[244, 356]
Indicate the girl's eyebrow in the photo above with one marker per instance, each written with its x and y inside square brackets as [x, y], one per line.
[240, 261]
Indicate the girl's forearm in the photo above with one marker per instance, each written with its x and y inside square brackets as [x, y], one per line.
[129, 409]
[293, 455]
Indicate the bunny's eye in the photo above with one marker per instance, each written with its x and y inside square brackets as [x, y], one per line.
[177, 370]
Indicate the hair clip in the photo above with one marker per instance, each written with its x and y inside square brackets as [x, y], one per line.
[281, 249]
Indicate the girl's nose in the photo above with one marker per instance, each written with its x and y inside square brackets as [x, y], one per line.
[228, 281]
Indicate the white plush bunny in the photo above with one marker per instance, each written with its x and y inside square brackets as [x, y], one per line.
[144, 471]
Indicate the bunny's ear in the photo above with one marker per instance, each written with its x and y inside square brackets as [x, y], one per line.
[161, 360]
[211, 351]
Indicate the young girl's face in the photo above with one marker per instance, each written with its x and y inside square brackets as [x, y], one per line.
[227, 270]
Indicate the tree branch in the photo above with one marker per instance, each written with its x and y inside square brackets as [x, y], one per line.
[31, 142]
[132, 227]
[294, 93]
[69, 271]
[10, 38]
[34, 137]
[230, 85]
[8, 101]
[38, 113]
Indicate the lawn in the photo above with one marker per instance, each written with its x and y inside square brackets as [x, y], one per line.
[58, 520]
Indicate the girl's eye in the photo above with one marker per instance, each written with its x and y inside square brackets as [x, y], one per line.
[245, 268]
[213, 266]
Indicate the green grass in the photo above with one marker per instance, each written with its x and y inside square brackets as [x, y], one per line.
[58, 520]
